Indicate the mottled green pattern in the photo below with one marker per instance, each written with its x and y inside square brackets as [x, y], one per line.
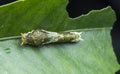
[94, 55]
[41, 37]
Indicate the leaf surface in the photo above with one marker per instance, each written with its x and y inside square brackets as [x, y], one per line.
[94, 55]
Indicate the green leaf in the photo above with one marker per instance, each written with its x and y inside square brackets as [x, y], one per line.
[94, 55]
[23, 16]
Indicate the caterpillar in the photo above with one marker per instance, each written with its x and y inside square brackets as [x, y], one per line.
[41, 37]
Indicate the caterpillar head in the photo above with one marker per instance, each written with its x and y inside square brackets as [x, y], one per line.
[23, 38]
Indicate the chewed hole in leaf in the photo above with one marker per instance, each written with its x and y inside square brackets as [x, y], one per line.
[76, 8]
[3, 2]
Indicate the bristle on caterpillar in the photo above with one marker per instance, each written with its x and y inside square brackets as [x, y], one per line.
[41, 37]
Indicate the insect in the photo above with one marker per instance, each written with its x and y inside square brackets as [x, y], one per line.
[41, 37]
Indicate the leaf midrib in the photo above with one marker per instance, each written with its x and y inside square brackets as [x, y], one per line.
[77, 30]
